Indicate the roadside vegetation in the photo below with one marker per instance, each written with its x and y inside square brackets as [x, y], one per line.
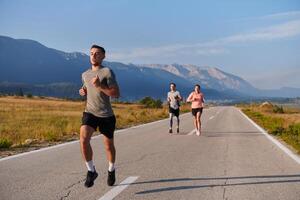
[31, 121]
[280, 121]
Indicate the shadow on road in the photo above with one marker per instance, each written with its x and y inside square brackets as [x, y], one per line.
[222, 133]
[243, 180]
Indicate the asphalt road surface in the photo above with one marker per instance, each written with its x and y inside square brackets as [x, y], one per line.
[232, 159]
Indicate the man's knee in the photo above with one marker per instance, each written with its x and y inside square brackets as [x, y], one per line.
[85, 134]
[84, 140]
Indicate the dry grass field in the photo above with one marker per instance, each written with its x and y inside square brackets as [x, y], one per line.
[25, 122]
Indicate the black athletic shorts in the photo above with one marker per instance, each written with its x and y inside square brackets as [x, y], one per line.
[174, 111]
[106, 125]
[195, 110]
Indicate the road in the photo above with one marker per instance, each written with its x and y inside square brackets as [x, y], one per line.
[231, 160]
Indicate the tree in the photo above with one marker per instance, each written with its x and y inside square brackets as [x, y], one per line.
[20, 93]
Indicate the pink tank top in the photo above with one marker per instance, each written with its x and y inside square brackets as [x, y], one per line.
[196, 99]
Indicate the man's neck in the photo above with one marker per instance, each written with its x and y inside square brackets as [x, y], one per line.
[96, 67]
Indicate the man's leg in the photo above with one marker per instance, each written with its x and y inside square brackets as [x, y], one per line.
[171, 122]
[87, 153]
[178, 121]
[86, 133]
[110, 149]
[111, 157]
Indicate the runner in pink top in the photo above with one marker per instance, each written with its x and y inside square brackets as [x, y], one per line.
[197, 99]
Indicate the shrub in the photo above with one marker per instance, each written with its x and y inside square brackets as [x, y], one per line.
[277, 109]
[291, 135]
[149, 102]
[294, 129]
[5, 143]
[51, 136]
[277, 131]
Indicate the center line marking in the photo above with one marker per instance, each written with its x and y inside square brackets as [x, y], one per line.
[118, 189]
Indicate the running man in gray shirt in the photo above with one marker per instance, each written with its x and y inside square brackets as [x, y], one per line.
[174, 99]
[99, 84]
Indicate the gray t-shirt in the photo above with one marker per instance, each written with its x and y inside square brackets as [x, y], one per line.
[98, 103]
[173, 103]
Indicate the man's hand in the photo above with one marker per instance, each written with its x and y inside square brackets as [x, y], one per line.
[82, 91]
[178, 98]
[96, 81]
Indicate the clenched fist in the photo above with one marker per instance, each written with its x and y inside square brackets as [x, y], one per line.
[96, 81]
[82, 91]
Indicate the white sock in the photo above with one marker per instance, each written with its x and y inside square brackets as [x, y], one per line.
[90, 165]
[111, 166]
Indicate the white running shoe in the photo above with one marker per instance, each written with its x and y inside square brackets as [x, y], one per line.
[198, 133]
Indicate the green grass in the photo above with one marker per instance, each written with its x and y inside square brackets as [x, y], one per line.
[276, 126]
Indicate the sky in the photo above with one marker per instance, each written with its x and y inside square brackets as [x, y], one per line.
[258, 40]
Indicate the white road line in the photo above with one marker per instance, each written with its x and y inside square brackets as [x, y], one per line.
[118, 189]
[68, 143]
[192, 132]
[276, 142]
[38, 150]
[215, 115]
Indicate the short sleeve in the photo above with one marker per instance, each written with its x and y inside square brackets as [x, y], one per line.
[82, 79]
[111, 79]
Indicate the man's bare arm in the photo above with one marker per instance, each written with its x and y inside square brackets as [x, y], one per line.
[110, 91]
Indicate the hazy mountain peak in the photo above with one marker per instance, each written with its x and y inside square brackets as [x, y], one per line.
[209, 77]
[216, 73]
[73, 55]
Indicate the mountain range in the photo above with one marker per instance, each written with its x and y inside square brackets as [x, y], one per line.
[39, 70]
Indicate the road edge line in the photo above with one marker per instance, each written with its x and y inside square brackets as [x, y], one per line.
[291, 154]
